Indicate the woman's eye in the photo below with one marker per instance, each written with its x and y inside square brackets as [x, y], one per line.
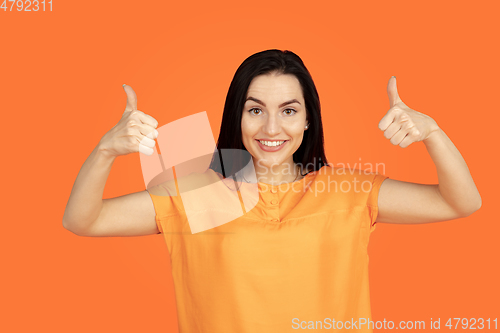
[291, 111]
[254, 109]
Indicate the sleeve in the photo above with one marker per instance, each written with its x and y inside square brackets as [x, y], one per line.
[372, 201]
[161, 208]
[166, 202]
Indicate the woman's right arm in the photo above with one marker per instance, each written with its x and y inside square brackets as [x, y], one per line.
[86, 213]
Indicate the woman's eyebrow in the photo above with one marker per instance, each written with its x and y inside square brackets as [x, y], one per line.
[250, 98]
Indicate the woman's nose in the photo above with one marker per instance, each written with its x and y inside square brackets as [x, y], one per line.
[272, 126]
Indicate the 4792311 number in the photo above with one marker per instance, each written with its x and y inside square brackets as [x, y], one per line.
[26, 5]
[471, 323]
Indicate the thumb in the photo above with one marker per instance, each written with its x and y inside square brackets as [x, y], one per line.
[392, 92]
[131, 98]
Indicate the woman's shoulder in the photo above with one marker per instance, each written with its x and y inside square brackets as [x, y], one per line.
[342, 174]
[342, 187]
[185, 180]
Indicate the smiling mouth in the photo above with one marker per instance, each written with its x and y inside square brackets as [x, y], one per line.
[272, 143]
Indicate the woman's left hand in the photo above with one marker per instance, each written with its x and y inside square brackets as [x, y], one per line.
[402, 125]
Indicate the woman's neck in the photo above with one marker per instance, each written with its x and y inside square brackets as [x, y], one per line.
[277, 174]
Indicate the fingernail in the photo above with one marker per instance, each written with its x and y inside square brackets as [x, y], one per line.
[394, 76]
[124, 85]
[156, 133]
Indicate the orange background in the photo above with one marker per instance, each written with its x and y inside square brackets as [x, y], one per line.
[61, 76]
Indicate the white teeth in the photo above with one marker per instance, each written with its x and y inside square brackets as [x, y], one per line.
[272, 143]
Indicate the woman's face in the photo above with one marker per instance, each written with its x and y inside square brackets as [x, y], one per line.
[274, 119]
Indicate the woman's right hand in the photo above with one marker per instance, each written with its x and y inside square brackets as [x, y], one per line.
[135, 132]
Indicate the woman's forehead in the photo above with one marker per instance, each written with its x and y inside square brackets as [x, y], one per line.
[275, 89]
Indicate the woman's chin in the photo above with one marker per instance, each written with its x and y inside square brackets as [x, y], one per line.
[269, 162]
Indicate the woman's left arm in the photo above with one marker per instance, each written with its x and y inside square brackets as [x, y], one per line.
[455, 196]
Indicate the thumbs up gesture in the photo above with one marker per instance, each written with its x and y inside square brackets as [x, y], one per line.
[402, 125]
[135, 132]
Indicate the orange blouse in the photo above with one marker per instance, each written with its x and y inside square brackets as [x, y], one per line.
[297, 260]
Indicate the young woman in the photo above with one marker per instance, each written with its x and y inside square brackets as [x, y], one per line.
[299, 256]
